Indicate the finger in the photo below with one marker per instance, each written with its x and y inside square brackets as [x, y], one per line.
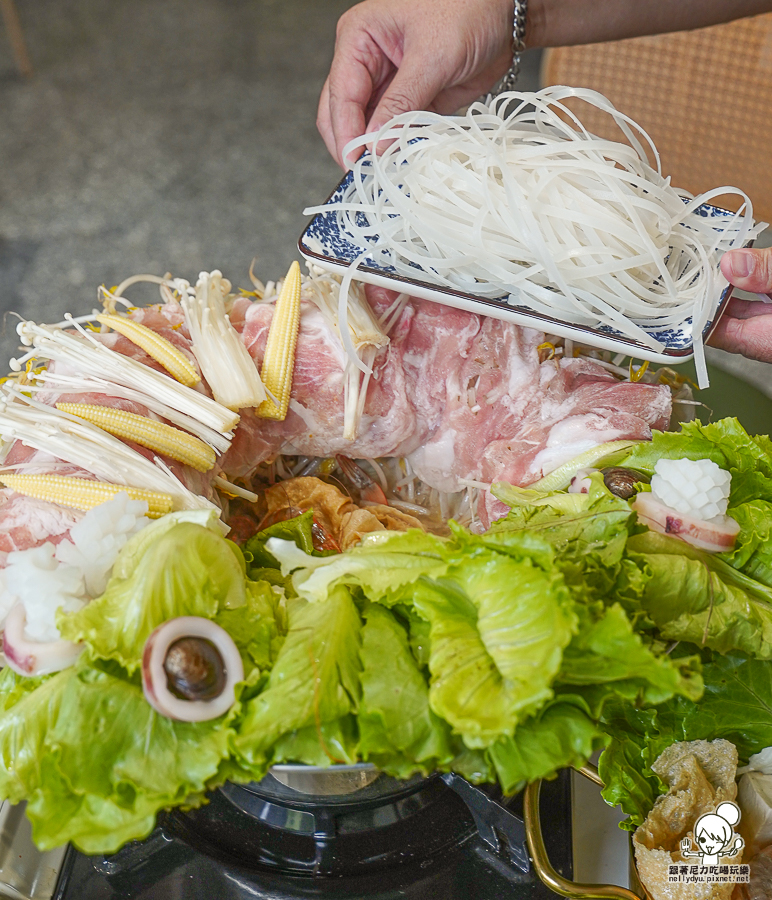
[749, 270]
[358, 69]
[738, 308]
[377, 94]
[323, 123]
[414, 86]
[750, 337]
[350, 89]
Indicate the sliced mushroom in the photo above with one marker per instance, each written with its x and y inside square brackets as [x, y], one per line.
[190, 668]
[33, 658]
[715, 535]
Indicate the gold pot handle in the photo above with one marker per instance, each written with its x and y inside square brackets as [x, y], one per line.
[542, 864]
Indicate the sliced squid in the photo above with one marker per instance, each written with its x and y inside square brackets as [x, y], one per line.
[716, 535]
[31, 658]
[190, 668]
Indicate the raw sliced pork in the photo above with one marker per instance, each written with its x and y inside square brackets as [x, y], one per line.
[464, 398]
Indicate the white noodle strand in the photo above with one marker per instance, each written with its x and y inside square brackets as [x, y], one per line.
[516, 201]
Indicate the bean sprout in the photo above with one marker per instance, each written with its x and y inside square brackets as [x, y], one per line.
[410, 507]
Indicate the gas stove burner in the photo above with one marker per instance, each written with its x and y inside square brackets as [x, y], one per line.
[397, 823]
[415, 840]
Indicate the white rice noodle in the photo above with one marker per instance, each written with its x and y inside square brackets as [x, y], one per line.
[471, 483]
[410, 507]
[517, 201]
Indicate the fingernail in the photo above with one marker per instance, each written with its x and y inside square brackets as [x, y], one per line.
[742, 263]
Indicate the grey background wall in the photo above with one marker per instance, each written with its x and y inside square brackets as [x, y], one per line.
[163, 135]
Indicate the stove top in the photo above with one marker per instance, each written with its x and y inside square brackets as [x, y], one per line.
[418, 841]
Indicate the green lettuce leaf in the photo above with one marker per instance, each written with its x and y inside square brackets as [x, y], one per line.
[258, 627]
[101, 791]
[606, 653]
[314, 681]
[498, 626]
[752, 553]
[188, 571]
[561, 734]
[137, 546]
[474, 764]
[330, 742]
[625, 766]
[383, 564]
[297, 530]
[418, 634]
[694, 596]
[588, 533]
[14, 687]
[397, 729]
[263, 565]
[736, 706]
[605, 661]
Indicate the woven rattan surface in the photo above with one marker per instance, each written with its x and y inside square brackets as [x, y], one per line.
[704, 96]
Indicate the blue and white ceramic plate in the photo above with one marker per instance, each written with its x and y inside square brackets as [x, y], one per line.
[325, 245]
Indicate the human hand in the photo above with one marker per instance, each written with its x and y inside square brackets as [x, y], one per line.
[746, 326]
[393, 56]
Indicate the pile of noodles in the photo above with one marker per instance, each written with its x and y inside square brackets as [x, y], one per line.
[517, 201]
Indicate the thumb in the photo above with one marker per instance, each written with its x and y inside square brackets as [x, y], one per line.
[749, 270]
[413, 87]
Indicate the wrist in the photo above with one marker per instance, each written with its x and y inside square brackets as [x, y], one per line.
[536, 24]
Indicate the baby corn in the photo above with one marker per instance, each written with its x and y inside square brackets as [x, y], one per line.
[279, 360]
[162, 351]
[80, 493]
[147, 432]
[78, 442]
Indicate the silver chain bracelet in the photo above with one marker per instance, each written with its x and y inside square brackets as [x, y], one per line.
[509, 80]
